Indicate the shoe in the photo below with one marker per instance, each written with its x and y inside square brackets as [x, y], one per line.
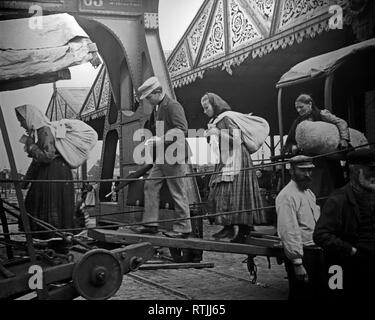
[223, 233]
[241, 235]
[240, 238]
[176, 235]
[232, 233]
[145, 229]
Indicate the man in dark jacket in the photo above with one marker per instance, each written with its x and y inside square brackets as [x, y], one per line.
[346, 229]
[169, 128]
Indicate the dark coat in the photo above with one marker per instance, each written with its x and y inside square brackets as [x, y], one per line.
[173, 115]
[336, 230]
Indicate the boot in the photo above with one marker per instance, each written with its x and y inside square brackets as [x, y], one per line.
[243, 232]
[223, 233]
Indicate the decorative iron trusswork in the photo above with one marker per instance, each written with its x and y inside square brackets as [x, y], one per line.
[195, 37]
[233, 62]
[243, 30]
[294, 11]
[189, 79]
[58, 114]
[261, 49]
[298, 36]
[105, 98]
[92, 105]
[89, 105]
[68, 112]
[97, 87]
[265, 7]
[180, 62]
[215, 44]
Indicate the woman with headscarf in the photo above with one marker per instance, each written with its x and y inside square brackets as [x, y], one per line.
[328, 173]
[50, 202]
[231, 190]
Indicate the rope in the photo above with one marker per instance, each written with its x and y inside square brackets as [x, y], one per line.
[40, 223]
[118, 225]
[13, 244]
[142, 223]
[46, 225]
[138, 211]
[256, 167]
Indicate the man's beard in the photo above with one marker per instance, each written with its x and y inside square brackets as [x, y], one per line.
[303, 184]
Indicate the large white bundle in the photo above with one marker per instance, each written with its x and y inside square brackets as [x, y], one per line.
[321, 137]
[255, 130]
[28, 49]
[74, 139]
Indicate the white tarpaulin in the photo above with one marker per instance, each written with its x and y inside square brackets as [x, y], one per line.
[29, 49]
[325, 63]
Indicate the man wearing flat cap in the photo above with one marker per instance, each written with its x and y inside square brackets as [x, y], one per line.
[346, 228]
[297, 213]
[167, 121]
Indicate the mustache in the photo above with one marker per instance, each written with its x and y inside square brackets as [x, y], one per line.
[307, 179]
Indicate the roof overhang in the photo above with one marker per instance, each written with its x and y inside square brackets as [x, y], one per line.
[275, 25]
[323, 65]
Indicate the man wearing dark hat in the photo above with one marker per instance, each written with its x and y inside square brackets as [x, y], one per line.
[346, 228]
[297, 213]
[166, 122]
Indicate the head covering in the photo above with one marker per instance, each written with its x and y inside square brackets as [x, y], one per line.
[364, 157]
[21, 110]
[148, 86]
[33, 116]
[302, 162]
[218, 104]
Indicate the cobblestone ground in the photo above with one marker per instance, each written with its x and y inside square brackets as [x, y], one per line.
[229, 279]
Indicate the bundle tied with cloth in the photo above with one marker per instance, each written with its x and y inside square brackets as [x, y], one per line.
[318, 137]
[41, 49]
[74, 139]
[254, 131]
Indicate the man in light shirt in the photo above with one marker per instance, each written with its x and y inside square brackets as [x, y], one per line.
[297, 213]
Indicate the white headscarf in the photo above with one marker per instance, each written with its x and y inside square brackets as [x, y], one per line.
[35, 118]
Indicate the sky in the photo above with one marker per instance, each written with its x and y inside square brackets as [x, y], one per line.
[174, 18]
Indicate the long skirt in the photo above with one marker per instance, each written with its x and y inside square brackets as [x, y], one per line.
[240, 194]
[51, 202]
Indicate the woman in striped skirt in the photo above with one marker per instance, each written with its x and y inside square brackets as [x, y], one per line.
[231, 190]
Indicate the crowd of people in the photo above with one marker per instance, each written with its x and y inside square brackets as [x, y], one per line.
[337, 236]
[340, 231]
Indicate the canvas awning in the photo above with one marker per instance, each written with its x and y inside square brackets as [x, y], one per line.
[324, 64]
[33, 52]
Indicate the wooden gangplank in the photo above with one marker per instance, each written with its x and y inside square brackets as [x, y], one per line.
[261, 248]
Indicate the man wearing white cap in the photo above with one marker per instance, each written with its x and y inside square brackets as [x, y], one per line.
[297, 213]
[168, 115]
